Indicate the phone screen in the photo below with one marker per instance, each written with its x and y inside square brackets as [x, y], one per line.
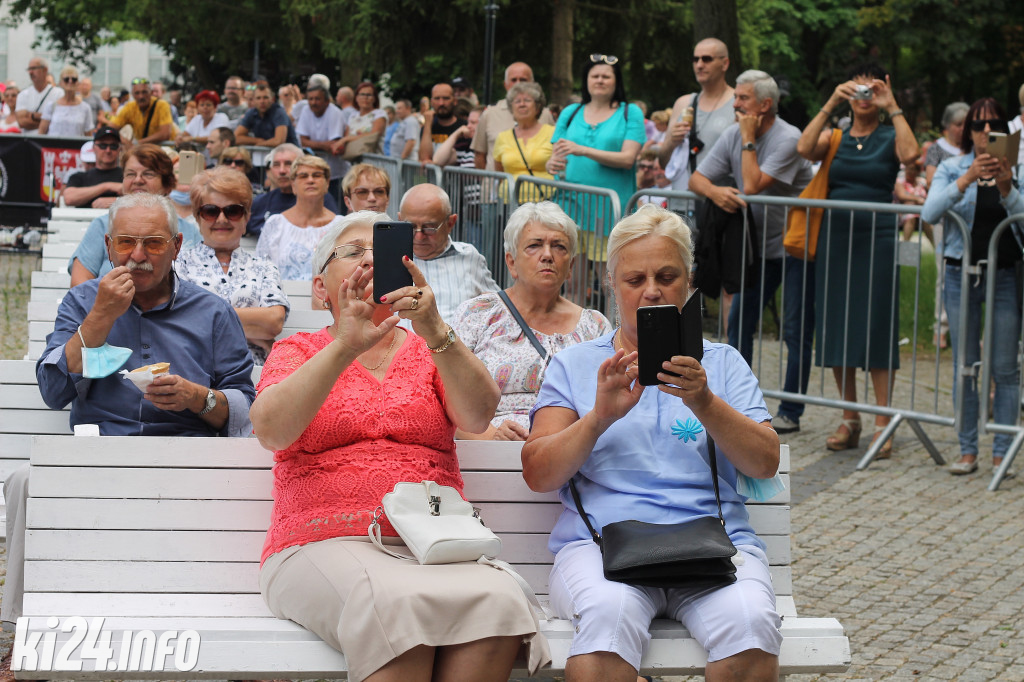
[391, 241]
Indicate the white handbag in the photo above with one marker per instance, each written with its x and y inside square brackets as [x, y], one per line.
[442, 528]
[436, 524]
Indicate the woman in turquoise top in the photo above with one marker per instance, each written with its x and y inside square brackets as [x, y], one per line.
[597, 143]
[857, 279]
[640, 452]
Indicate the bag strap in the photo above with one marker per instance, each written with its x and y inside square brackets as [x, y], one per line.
[694, 101]
[712, 458]
[149, 119]
[522, 325]
[521, 154]
[39, 106]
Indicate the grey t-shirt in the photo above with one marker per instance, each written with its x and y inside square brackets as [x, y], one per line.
[408, 129]
[777, 157]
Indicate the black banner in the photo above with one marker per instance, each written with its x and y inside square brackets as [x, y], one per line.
[31, 167]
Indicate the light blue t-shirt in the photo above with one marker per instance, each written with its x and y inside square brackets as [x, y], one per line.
[639, 469]
[92, 250]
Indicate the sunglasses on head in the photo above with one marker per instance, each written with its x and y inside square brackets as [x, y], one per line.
[140, 81]
[994, 124]
[212, 211]
[608, 59]
[153, 245]
[706, 58]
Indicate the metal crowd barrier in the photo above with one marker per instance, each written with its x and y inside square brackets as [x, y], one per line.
[917, 392]
[596, 210]
[481, 199]
[990, 268]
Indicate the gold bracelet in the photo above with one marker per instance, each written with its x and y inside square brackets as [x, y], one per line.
[449, 340]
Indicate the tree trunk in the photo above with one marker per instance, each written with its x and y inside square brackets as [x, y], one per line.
[561, 51]
[717, 19]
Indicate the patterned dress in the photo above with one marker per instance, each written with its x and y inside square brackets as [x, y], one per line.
[250, 282]
[488, 329]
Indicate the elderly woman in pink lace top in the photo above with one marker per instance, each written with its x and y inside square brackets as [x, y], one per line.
[540, 242]
[350, 411]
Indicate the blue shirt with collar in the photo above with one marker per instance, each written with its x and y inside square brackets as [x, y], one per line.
[944, 195]
[196, 331]
[265, 126]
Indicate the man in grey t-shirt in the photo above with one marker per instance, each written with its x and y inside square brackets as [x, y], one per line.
[405, 143]
[759, 151]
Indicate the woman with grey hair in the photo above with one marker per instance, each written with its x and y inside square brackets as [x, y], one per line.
[526, 146]
[642, 452]
[540, 243]
[350, 411]
[949, 144]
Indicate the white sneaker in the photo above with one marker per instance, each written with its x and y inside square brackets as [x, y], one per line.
[783, 424]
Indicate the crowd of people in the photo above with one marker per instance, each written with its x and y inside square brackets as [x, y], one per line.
[379, 396]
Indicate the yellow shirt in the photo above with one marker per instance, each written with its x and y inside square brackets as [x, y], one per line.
[537, 150]
[130, 114]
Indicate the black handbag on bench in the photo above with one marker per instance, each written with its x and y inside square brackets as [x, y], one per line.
[697, 553]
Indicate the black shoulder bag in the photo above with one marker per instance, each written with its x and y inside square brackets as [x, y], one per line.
[530, 336]
[697, 553]
[696, 144]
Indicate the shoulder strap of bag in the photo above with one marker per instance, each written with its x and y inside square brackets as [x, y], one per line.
[521, 154]
[149, 119]
[572, 116]
[49, 89]
[693, 130]
[522, 324]
[712, 458]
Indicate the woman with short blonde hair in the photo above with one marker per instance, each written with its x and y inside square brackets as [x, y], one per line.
[68, 116]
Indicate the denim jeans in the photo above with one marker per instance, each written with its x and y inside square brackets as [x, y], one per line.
[797, 322]
[1005, 342]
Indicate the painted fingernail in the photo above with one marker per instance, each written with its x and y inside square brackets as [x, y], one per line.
[383, 299]
[405, 258]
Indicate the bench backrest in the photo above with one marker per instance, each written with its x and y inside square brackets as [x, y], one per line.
[175, 528]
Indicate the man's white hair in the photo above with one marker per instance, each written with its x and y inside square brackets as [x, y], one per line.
[143, 200]
[764, 86]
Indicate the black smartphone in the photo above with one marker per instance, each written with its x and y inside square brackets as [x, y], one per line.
[664, 331]
[391, 241]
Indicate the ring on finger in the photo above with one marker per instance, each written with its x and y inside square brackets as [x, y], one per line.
[419, 292]
[415, 303]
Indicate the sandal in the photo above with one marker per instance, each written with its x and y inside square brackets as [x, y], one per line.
[846, 436]
[964, 467]
[884, 452]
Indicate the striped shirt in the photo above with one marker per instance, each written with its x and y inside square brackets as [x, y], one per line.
[458, 274]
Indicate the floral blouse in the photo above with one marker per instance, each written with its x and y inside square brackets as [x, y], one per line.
[488, 329]
[290, 247]
[250, 282]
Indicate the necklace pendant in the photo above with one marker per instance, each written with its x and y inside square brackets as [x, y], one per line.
[859, 146]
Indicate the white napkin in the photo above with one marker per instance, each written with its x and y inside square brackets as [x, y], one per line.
[142, 380]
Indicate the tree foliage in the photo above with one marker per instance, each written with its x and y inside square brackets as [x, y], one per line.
[936, 50]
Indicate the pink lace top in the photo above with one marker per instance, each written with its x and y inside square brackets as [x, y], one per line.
[368, 436]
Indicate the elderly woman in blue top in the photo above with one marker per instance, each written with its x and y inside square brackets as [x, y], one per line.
[594, 421]
[979, 188]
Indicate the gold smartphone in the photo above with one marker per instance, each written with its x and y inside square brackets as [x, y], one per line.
[1004, 146]
[190, 164]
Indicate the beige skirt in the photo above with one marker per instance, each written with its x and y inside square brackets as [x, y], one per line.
[373, 607]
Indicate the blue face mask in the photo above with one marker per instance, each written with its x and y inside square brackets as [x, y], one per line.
[103, 361]
[180, 198]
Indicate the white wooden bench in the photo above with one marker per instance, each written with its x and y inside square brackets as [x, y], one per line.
[166, 538]
[80, 214]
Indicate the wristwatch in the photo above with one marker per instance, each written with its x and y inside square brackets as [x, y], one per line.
[749, 147]
[211, 401]
[449, 340]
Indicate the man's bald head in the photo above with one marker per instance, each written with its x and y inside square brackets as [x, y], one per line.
[517, 72]
[345, 97]
[716, 46]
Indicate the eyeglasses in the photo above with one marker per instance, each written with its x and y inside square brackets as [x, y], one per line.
[232, 162]
[646, 166]
[706, 58]
[996, 124]
[523, 100]
[34, 68]
[363, 192]
[429, 229]
[346, 252]
[364, 94]
[152, 245]
[606, 58]
[70, 79]
[212, 211]
[306, 176]
[140, 81]
[147, 175]
[250, 88]
[106, 146]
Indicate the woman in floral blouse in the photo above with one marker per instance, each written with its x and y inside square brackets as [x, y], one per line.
[540, 242]
[221, 200]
